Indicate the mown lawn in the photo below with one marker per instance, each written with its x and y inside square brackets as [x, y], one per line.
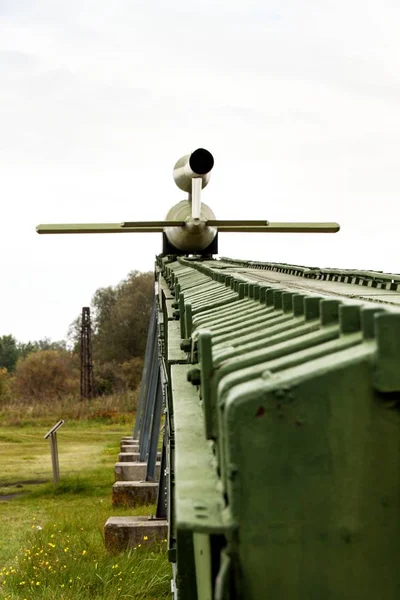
[51, 539]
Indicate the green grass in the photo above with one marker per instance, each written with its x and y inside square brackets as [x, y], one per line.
[61, 555]
[26, 455]
[52, 541]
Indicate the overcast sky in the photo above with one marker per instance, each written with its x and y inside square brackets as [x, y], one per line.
[298, 101]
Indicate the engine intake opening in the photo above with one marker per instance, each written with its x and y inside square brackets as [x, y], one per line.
[201, 161]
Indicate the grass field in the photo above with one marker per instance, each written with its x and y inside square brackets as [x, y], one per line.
[51, 539]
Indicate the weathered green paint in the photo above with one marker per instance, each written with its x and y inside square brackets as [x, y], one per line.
[290, 438]
[316, 485]
[198, 508]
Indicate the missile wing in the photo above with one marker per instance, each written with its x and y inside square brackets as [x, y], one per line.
[190, 226]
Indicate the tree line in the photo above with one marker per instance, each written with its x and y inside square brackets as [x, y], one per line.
[41, 370]
[11, 351]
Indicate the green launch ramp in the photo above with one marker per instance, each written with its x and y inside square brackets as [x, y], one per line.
[286, 438]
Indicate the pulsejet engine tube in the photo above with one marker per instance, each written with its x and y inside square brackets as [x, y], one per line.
[193, 166]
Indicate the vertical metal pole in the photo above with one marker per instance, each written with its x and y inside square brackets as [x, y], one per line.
[155, 431]
[87, 387]
[56, 453]
[163, 483]
[151, 336]
[150, 401]
[54, 458]
[83, 351]
[161, 510]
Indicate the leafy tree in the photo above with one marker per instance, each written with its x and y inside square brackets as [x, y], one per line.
[8, 352]
[74, 335]
[11, 350]
[45, 344]
[120, 320]
[26, 348]
[112, 377]
[4, 382]
[103, 303]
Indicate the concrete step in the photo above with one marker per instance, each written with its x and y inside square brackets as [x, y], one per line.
[131, 456]
[126, 456]
[129, 443]
[134, 493]
[132, 471]
[121, 533]
[129, 448]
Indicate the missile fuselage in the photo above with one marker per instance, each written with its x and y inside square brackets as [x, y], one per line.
[195, 235]
[191, 171]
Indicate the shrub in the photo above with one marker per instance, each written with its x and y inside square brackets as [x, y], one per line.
[45, 375]
[131, 372]
[113, 377]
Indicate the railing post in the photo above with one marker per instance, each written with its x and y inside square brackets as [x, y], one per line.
[162, 500]
[155, 430]
[149, 401]
[151, 336]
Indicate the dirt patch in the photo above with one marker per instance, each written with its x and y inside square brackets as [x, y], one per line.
[18, 484]
[6, 497]
[24, 482]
